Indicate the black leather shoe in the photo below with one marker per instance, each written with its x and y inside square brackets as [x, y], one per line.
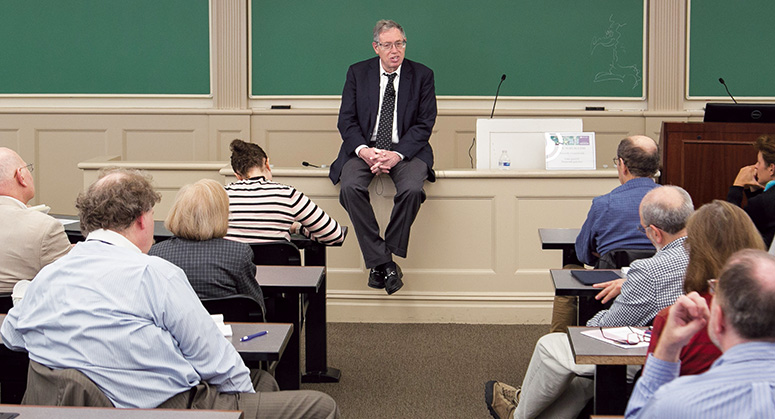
[377, 278]
[393, 277]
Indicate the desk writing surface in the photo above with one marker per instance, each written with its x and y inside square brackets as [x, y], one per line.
[67, 412]
[302, 242]
[74, 233]
[566, 284]
[263, 348]
[587, 350]
[290, 278]
[558, 238]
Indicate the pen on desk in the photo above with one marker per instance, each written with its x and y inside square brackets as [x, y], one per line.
[254, 335]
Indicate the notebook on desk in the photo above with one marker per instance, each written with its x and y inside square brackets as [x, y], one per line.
[591, 276]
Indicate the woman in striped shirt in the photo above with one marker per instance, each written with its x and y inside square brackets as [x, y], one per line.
[264, 211]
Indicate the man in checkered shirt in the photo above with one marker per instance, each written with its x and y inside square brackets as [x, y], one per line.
[554, 385]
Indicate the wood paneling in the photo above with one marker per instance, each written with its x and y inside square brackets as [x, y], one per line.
[704, 158]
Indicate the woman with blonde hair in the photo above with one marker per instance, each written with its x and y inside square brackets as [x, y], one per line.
[714, 232]
[215, 267]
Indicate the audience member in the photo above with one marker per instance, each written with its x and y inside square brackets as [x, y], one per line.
[612, 222]
[756, 182]
[132, 323]
[741, 322]
[215, 267]
[31, 239]
[264, 211]
[716, 231]
[554, 385]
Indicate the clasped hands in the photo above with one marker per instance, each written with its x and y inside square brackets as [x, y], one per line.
[746, 178]
[379, 161]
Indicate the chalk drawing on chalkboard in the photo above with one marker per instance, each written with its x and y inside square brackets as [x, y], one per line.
[612, 41]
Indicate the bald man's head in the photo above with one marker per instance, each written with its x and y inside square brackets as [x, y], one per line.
[640, 155]
[667, 207]
[15, 178]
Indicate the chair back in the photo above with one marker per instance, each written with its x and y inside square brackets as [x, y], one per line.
[619, 258]
[6, 302]
[235, 308]
[65, 387]
[276, 253]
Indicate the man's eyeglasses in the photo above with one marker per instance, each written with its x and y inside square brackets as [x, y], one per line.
[643, 229]
[387, 46]
[633, 338]
[616, 161]
[29, 167]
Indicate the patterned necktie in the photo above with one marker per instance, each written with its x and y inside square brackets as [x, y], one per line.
[385, 128]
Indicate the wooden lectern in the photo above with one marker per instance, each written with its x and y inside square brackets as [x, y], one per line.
[704, 157]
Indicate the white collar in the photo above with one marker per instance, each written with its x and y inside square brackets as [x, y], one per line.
[397, 72]
[114, 238]
[21, 204]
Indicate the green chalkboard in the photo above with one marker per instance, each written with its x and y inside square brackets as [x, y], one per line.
[122, 47]
[554, 48]
[734, 41]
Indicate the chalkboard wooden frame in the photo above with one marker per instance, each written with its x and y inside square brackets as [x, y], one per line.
[107, 48]
[333, 37]
[716, 33]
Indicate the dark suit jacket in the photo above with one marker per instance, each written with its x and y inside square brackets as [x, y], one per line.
[215, 267]
[416, 112]
[761, 209]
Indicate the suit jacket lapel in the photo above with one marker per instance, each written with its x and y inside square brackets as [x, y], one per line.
[373, 92]
[404, 93]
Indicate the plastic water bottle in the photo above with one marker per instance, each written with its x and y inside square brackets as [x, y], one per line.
[505, 162]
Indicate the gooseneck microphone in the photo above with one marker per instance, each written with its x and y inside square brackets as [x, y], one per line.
[308, 164]
[503, 77]
[721, 80]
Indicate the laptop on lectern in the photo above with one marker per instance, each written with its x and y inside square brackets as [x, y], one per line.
[740, 112]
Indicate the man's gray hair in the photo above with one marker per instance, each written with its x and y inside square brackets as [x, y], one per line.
[667, 207]
[386, 25]
[746, 293]
[116, 200]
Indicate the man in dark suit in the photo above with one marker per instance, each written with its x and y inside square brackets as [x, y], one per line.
[387, 114]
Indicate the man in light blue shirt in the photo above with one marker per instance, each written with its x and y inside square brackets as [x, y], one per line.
[132, 323]
[741, 322]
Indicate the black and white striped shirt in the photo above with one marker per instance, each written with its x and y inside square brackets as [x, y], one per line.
[263, 211]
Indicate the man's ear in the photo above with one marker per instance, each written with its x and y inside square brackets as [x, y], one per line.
[20, 177]
[659, 235]
[720, 327]
[143, 222]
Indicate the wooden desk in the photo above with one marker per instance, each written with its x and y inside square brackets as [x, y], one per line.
[610, 369]
[566, 284]
[316, 360]
[287, 284]
[563, 239]
[47, 412]
[269, 347]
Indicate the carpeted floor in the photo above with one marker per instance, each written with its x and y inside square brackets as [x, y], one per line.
[423, 370]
